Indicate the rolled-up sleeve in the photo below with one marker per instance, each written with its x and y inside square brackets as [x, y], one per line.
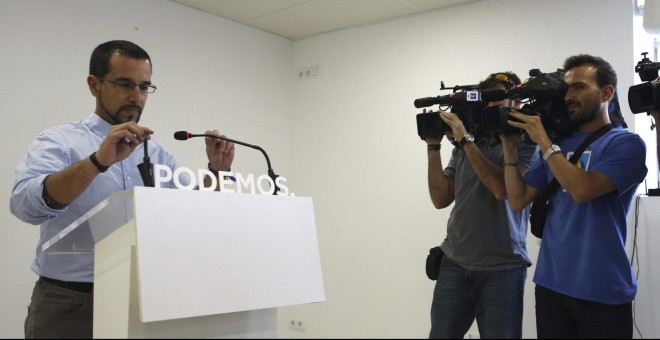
[45, 156]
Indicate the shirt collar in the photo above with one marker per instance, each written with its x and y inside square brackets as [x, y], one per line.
[99, 126]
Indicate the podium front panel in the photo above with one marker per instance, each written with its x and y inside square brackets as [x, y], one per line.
[203, 253]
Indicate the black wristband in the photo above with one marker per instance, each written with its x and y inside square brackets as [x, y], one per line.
[217, 173]
[214, 171]
[433, 147]
[101, 168]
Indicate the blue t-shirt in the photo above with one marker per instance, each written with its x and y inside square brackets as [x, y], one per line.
[583, 252]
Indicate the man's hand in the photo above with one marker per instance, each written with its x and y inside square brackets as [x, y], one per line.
[219, 152]
[510, 138]
[455, 123]
[120, 142]
[532, 126]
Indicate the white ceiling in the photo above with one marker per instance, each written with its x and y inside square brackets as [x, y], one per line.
[297, 19]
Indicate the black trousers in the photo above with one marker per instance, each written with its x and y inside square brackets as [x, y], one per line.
[563, 317]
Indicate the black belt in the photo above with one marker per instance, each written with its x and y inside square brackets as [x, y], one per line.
[83, 287]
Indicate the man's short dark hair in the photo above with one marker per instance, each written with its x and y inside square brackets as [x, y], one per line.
[605, 74]
[508, 79]
[99, 64]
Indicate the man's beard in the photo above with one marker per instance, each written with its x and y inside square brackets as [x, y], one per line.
[115, 117]
[582, 114]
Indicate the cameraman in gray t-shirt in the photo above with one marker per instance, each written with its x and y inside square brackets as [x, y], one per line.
[482, 274]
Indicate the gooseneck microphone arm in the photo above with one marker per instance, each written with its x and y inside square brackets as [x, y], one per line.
[185, 135]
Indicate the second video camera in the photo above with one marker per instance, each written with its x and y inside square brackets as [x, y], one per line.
[645, 97]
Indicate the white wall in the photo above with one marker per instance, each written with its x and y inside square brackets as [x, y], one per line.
[347, 137]
[375, 220]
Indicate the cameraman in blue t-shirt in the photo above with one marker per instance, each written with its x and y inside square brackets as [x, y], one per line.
[584, 281]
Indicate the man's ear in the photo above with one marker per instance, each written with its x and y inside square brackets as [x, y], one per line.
[94, 85]
[608, 93]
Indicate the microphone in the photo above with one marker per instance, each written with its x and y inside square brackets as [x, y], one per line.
[426, 102]
[449, 99]
[518, 92]
[184, 135]
[494, 95]
[146, 169]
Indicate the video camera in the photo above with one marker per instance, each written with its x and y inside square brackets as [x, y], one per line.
[464, 101]
[542, 94]
[645, 97]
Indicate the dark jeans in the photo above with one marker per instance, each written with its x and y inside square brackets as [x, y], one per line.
[494, 299]
[59, 313]
[563, 317]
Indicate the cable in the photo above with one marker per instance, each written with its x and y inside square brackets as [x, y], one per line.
[634, 259]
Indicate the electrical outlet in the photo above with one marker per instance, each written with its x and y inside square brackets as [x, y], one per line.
[296, 324]
[308, 72]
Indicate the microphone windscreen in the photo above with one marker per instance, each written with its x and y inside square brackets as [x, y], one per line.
[426, 102]
[493, 96]
[181, 135]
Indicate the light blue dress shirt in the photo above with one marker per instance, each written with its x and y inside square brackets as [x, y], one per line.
[54, 150]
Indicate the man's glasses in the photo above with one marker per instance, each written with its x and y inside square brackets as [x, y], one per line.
[129, 86]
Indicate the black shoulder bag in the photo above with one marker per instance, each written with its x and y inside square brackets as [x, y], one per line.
[541, 204]
[433, 260]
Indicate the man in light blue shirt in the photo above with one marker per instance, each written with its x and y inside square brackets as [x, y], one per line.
[70, 168]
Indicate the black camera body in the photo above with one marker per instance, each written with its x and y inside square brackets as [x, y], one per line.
[429, 124]
[645, 97]
[542, 95]
[464, 101]
[495, 118]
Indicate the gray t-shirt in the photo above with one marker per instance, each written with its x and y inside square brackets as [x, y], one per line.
[483, 233]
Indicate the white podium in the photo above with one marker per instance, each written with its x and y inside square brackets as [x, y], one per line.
[643, 220]
[194, 264]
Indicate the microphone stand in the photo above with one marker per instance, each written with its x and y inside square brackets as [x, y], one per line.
[271, 173]
[146, 169]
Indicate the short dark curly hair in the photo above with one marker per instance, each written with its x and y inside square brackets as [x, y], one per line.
[508, 79]
[99, 63]
[605, 74]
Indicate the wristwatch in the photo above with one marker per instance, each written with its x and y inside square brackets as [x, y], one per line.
[553, 149]
[468, 137]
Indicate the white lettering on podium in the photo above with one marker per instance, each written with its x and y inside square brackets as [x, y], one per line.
[163, 174]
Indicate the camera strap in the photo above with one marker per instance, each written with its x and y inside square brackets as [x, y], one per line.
[554, 184]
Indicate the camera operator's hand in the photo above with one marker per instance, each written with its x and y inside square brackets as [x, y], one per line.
[455, 123]
[433, 140]
[509, 138]
[532, 126]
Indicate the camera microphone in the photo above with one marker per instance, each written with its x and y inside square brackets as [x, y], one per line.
[449, 99]
[426, 102]
[494, 95]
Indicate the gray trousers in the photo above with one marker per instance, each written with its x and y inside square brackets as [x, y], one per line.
[59, 313]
